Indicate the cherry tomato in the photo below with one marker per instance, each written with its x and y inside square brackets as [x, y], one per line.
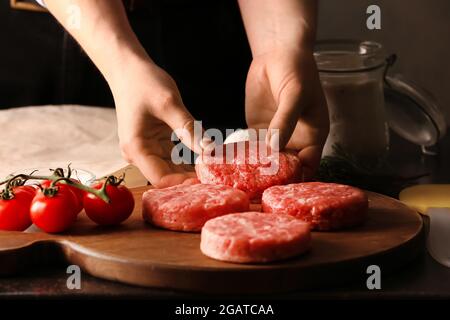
[118, 210]
[55, 213]
[15, 212]
[30, 189]
[78, 192]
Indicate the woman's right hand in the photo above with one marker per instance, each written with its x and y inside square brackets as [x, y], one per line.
[148, 104]
[149, 109]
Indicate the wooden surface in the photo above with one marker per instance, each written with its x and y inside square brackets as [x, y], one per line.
[137, 253]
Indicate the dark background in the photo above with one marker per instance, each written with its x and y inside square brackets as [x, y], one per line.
[203, 46]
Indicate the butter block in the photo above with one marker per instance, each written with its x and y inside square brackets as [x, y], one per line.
[425, 196]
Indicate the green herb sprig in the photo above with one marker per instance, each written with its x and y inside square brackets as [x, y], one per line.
[377, 175]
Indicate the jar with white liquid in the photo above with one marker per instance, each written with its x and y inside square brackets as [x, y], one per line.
[353, 76]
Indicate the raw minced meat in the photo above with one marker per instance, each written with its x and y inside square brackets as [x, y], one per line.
[254, 237]
[253, 171]
[188, 207]
[326, 206]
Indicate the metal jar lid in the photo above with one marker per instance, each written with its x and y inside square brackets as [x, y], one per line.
[413, 112]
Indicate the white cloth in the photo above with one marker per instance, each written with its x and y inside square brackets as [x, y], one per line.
[41, 2]
[54, 136]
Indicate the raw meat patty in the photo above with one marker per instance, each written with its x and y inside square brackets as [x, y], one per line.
[252, 171]
[188, 207]
[254, 237]
[326, 206]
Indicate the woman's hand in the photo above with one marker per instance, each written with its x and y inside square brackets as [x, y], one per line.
[149, 106]
[283, 86]
[284, 92]
[149, 109]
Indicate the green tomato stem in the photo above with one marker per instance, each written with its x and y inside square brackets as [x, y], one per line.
[55, 179]
[100, 193]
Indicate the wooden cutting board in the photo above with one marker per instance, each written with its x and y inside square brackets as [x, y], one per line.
[136, 253]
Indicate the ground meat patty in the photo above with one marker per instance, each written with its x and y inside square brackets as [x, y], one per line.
[254, 237]
[252, 171]
[188, 207]
[326, 206]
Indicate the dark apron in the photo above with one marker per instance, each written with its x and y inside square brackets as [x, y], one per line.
[201, 44]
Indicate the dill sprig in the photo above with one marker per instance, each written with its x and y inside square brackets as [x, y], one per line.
[377, 175]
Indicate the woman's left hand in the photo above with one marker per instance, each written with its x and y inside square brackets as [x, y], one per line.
[284, 92]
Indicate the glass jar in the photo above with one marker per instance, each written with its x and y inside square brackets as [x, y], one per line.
[352, 73]
[364, 102]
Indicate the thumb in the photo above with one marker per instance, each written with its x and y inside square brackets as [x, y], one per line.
[285, 119]
[189, 131]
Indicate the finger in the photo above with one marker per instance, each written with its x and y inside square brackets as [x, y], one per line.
[310, 161]
[174, 179]
[181, 168]
[191, 181]
[189, 131]
[285, 119]
[152, 167]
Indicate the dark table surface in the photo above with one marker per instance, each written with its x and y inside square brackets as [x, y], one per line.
[422, 278]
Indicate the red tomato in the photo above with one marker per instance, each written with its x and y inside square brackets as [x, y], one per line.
[30, 189]
[56, 213]
[118, 210]
[78, 192]
[15, 213]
